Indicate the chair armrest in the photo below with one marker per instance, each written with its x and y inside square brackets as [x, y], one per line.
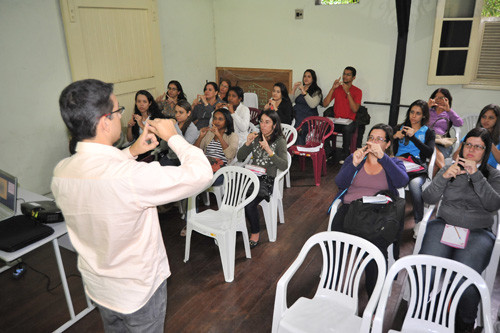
[333, 211]
[422, 227]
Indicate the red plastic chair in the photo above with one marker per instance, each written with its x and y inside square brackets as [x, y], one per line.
[254, 115]
[318, 129]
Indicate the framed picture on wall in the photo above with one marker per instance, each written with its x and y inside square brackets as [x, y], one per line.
[256, 80]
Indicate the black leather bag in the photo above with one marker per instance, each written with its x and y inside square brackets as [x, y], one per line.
[362, 116]
[370, 221]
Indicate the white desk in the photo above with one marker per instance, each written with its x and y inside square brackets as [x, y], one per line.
[59, 231]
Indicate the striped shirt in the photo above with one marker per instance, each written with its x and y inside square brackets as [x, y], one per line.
[214, 149]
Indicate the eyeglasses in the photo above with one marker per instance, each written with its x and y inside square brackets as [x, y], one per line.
[440, 98]
[376, 139]
[476, 147]
[121, 110]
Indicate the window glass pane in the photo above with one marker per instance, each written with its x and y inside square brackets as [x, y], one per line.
[335, 2]
[455, 33]
[459, 8]
[491, 8]
[451, 63]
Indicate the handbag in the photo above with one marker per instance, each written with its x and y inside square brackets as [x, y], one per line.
[362, 116]
[369, 221]
[445, 141]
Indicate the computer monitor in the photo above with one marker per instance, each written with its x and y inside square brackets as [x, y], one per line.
[8, 195]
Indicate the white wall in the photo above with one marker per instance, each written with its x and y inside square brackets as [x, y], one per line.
[264, 34]
[188, 45]
[33, 69]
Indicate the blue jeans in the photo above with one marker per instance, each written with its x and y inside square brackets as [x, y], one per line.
[415, 187]
[149, 318]
[476, 255]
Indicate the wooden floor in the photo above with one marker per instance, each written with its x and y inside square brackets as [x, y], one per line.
[199, 300]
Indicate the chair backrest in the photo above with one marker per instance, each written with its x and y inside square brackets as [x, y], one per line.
[470, 122]
[254, 115]
[318, 129]
[345, 258]
[290, 134]
[237, 186]
[250, 100]
[436, 286]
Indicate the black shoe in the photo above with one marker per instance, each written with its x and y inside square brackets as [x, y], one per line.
[461, 327]
[253, 243]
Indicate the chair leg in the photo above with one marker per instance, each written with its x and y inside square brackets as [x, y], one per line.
[323, 163]
[317, 169]
[280, 210]
[206, 198]
[246, 242]
[227, 249]
[268, 208]
[287, 179]
[189, 231]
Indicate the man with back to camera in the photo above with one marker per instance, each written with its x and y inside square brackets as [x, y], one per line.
[109, 203]
[347, 101]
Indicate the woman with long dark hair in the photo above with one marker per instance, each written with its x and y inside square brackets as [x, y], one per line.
[170, 98]
[203, 105]
[280, 102]
[145, 108]
[469, 190]
[489, 118]
[416, 143]
[307, 95]
[269, 151]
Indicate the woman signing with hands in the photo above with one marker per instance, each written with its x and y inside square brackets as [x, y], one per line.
[280, 102]
[469, 190]
[204, 105]
[366, 172]
[269, 151]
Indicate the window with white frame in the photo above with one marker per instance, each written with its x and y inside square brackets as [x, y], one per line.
[466, 44]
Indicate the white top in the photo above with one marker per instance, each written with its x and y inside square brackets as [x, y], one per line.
[241, 119]
[109, 203]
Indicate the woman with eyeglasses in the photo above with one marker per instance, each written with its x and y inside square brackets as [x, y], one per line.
[415, 144]
[145, 108]
[441, 118]
[170, 98]
[469, 190]
[367, 171]
[269, 151]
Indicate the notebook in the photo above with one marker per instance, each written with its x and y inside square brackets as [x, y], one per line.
[20, 231]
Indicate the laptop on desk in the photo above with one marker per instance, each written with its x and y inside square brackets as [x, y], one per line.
[16, 231]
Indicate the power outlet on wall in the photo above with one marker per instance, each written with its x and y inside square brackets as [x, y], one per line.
[299, 14]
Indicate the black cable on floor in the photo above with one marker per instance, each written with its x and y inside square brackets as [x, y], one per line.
[49, 290]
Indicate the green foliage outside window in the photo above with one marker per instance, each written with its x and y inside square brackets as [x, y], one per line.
[491, 8]
[340, 2]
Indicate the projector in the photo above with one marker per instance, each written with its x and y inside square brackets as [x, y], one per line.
[42, 211]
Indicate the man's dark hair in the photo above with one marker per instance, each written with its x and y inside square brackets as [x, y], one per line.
[352, 69]
[82, 104]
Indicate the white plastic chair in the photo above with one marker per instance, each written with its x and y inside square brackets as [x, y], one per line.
[490, 271]
[222, 224]
[436, 287]
[251, 100]
[274, 207]
[290, 134]
[470, 122]
[334, 307]
[390, 249]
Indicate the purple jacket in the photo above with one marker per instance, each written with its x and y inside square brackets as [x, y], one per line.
[395, 172]
[439, 122]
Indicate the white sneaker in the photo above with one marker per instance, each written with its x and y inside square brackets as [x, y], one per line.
[341, 162]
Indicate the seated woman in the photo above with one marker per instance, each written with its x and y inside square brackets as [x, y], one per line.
[184, 127]
[368, 170]
[280, 102]
[470, 192]
[169, 99]
[269, 151]
[219, 142]
[441, 118]
[307, 96]
[204, 105]
[489, 119]
[224, 86]
[416, 141]
[239, 112]
[145, 108]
